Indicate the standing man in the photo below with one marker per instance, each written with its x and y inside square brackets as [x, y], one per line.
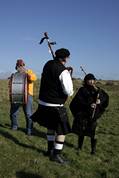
[56, 86]
[87, 106]
[27, 108]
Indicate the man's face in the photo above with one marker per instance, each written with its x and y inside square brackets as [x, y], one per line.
[90, 82]
[65, 60]
[20, 68]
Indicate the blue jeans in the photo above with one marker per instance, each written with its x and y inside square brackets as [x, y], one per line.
[27, 108]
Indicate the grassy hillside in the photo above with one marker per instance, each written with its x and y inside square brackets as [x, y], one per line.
[22, 156]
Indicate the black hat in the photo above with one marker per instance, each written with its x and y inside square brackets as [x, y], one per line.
[62, 53]
[89, 77]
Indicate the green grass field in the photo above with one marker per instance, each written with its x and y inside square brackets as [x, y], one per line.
[22, 156]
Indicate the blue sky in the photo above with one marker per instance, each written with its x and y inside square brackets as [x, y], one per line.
[88, 28]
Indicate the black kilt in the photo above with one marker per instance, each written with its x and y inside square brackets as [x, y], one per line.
[53, 118]
[83, 125]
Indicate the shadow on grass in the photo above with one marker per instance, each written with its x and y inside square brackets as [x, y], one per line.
[16, 141]
[69, 144]
[39, 133]
[107, 133]
[35, 131]
[22, 174]
[2, 126]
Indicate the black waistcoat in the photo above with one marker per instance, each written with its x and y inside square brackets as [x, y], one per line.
[50, 89]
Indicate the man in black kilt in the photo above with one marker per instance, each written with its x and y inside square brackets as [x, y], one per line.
[56, 86]
[87, 106]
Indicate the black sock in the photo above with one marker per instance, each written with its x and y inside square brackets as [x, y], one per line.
[50, 139]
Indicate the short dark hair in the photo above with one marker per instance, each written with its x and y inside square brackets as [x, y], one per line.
[62, 53]
[89, 77]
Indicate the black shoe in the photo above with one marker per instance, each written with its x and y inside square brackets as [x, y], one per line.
[57, 158]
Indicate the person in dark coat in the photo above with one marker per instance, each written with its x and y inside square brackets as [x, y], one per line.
[56, 86]
[87, 106]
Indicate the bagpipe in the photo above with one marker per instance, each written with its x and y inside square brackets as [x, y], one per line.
[50, 44]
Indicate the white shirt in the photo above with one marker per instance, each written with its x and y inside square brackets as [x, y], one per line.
[66, 82]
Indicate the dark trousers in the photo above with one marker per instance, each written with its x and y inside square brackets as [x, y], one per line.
[93, 143]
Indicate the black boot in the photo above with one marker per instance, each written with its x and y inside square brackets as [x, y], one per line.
[93, 145]
[57, 157]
